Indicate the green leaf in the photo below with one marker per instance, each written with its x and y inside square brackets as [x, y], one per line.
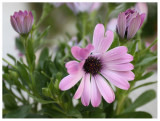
[97, 114]
[145, 76]
[141, 100]
[47, 8]
[145, 84]
[19, 45]
[21, 112]
[115, 43]
[13, 58]
[41, 100]
[30, 54]
[146, 61]
[23, 73]
[43, 56]
[138, 114]
[9, 101]
[132, 47]
[74, 113]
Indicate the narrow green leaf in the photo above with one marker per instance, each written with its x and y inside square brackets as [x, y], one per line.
[145, 76]
[41, 100]
[138, 114]
[146, 61]
[145, 84]
[43, 56]
[141, 100]
[13, 58]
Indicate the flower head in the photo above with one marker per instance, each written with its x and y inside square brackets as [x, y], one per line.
[129, 22]
[83, 7]
[142, 8]
[96, 61]
[22, 21]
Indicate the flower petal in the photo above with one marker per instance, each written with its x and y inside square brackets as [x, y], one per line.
[95, 94]
[81, 53]
[106, 42]
[115, 79]
[143, 16]
[69, 81]
[128, 75]
[74, 67]
[98, 36]
[124, 59]
[112, 24]
[120, 67]
[85, 98]
[133, 27]
[121, 24]
[79, 91]
[14, 24]
[105, 90]
[115, 53]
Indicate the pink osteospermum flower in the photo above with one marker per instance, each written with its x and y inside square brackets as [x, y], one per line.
[114, 65]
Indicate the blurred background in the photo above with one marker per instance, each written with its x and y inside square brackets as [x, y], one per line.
[63, 21]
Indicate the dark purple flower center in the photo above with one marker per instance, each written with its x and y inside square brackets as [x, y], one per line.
[92, 65]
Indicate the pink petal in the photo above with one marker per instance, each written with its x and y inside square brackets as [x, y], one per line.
[95, 94]
[69, 81]
[105, 90]
[143, 16]
[85, 98]
[74, 67]
[79, 91]
[98, 36]
[115, 79]
[115, 53]
[121, 24]
[14, 24]
[128, 75]
[124, 59]
[81, 53]
[120, 67]
[112, 24]
[106, 42]
[133, 27]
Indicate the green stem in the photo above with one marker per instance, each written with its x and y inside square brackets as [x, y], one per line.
[120, 104]
[9, 63]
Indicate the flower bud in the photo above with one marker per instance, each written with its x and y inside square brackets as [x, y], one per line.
[129, 22]
[22, 21]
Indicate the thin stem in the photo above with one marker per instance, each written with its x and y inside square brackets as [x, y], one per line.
[9, 63]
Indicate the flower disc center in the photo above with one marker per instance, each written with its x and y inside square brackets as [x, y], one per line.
[92, 65]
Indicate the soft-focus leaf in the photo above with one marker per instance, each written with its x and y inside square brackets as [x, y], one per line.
[145, 84]
[138, 114]
[97, 114]
[44, 54]
[147, 75]
[74, 113]
[21, 112]
[30, 53]
[9, 101]
[141, 100]
[146, 61]
[41, 100]
[19, 45]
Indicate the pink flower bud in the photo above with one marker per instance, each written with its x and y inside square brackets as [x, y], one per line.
[22, 21]
[129, 22]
